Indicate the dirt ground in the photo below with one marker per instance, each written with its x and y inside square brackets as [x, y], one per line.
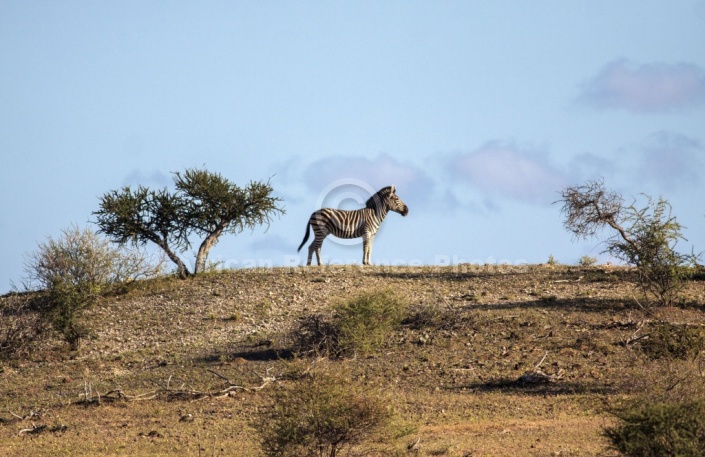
[495, 361]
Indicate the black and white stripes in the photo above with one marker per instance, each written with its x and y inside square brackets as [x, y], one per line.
[353, 224]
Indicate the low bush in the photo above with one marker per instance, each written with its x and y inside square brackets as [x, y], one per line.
[74, 270]
[359, 325]
[587, 261]
[365, 321]
[320, 415]
[660, 429]
[674, 341]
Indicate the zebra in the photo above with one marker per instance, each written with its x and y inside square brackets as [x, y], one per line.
[353, 224]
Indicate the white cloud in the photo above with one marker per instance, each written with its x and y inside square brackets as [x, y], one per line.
[412, 183]
[654, 87]
[505, 170]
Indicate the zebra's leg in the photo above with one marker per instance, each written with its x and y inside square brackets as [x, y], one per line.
[318, 256]
[310, 255]
[367, 241]
[316, 247]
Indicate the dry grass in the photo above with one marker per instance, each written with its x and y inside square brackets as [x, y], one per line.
[492, 361]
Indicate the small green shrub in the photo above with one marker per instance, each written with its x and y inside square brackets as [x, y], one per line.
[365, 321]
[359, 325]
[320, 415]
[587, 261]
[673, 341]
[660, 429]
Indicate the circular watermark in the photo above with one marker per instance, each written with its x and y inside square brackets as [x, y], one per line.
[345, 194]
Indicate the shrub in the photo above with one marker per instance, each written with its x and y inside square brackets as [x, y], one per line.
[587, 261]
[65, 305]
[653, 235]
[80, 256]
[365, 321]
[319, 415]
[359, 325]
[660, 429]
[674, 341]
[74, 270]
[315, 334]
[645, 237]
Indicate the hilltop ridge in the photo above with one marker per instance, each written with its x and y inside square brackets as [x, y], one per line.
[459, 370]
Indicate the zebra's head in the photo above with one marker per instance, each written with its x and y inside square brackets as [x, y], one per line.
[388, 198]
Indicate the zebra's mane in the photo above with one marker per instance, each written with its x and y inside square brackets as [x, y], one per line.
[381, 195]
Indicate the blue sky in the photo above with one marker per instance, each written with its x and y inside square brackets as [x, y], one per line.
[479, 113]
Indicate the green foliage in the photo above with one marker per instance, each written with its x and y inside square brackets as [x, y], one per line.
[359, 325]
[141, 216]
[587, 261]
[650, 246]
[320, 415]
[204, 203]
[65, 304]
[660, 429]
[644, 237]
[365, 321]
[674, 341]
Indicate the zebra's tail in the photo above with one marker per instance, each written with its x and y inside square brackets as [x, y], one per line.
[308, 230]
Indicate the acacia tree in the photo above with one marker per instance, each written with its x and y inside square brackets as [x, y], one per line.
[205, 204]
[645, 237]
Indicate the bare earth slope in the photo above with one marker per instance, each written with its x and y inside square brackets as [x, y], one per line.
[497, 361]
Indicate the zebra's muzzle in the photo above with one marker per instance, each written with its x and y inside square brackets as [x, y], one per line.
[404, 211]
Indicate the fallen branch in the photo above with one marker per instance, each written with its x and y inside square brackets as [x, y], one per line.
[537, 376]
[266, 379]
[538, 365]
[633, 338]
[92, 396]
[34, 429]
[22, 418]
[37, 429]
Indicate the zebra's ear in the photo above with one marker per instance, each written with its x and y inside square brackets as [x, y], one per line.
[394, 189]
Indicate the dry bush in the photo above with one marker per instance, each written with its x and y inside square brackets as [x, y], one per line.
[80, 256]
[666, 415]
[669, 363]
[320, 414]
[644, 236]
[75, 270]
[587, 261]
[20, 325]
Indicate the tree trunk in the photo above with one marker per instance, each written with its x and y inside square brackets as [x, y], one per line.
[181, 267]
[205, 247]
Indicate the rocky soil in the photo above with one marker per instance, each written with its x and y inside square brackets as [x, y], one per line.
[492, 360]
